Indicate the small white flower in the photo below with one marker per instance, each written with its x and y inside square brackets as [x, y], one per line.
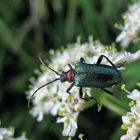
[69, 112]
[134, 95]
[128, 137]
[70, 124]
[132, 119]
[8, 134]
[126, 119]
[131, 29]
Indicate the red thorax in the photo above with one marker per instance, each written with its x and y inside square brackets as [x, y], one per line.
[70, 75]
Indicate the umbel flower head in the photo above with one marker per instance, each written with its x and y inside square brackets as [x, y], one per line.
[53, 98]
[131, 122]
[8, 134]
[131, 28]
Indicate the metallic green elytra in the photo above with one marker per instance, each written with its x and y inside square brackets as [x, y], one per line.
[94, 75]
[89, 75]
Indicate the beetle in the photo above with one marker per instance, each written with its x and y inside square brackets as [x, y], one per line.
[88, 75]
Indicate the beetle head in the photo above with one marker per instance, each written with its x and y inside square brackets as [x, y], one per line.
[63, 76]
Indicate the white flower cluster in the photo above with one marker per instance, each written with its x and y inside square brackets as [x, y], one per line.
[131, 29]
[131, 122]
[53, 98]
[8, 134]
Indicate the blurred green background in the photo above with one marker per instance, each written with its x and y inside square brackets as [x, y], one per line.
[28, 27]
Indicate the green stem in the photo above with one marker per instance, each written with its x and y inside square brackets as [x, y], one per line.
[108, 101]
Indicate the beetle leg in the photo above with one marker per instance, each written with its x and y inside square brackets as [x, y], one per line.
[82, 60]
[88, 98]
[70, 66]
[107, 91]
[80, 92]
[69, 88]
[100, 59]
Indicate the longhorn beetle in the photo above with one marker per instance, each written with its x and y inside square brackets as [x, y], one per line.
[88, 75]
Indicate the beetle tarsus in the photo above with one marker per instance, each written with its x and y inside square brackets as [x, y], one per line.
[121, 65]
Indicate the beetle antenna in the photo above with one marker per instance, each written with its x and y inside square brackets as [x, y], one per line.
[39, 89]
[47, 65]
